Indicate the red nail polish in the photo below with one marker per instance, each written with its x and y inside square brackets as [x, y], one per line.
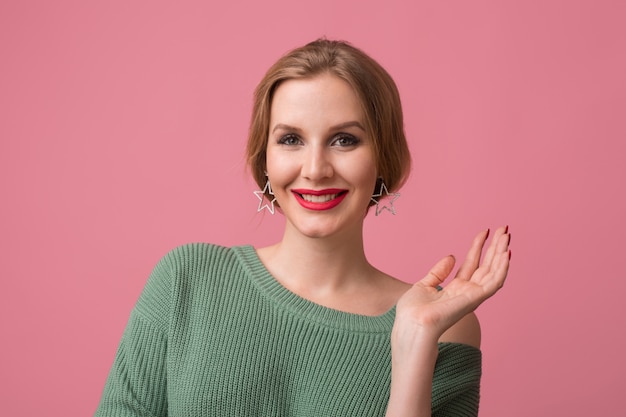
[488, 230]
[506, 229]
[509, 254]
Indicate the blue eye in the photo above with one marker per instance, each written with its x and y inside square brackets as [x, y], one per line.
[344, 139]
[289, 140]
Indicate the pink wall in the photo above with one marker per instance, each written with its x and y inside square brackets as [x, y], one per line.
[122, 126]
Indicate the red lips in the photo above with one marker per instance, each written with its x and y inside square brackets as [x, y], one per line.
[319, 199]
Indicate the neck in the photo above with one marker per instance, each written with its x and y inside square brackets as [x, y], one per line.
[331, 271]
[318, 264]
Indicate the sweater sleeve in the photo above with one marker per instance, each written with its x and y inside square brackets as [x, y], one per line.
[137, 383]
[456, 381]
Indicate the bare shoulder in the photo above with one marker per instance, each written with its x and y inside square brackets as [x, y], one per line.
[386, 291]
[466, 331]
[394, 288]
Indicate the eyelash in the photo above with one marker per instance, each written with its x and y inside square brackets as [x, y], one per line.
[353, 140]
[292, 140]
[283, 140]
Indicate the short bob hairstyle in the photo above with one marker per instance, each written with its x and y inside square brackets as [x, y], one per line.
[374, 86]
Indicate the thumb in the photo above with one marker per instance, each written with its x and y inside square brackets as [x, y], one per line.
[439, 272]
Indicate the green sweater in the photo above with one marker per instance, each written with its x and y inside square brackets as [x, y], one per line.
[214, 334]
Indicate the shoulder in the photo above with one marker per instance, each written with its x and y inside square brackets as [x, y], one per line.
[180, 270]
[390, 291]
[193, 257]
[194, 263]
[194, 252]
[465, 331]
[182, 264]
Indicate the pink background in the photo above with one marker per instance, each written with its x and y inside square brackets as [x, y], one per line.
[122, 128]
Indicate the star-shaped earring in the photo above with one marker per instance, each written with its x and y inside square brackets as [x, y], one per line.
[379, 196]
[260, 194]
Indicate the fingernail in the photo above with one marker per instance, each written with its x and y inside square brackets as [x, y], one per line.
[509, 254]
[488, 230]
[506, 229]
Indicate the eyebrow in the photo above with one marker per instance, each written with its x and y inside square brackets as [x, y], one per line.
[282, 126]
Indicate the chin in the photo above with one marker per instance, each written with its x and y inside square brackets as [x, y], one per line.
[320, 229]
[316, 232]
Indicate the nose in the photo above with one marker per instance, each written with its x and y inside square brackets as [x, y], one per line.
[317, 164]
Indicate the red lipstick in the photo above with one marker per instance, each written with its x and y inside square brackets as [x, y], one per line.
[319, 203]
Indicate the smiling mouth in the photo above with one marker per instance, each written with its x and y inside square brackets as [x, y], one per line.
[320, 199]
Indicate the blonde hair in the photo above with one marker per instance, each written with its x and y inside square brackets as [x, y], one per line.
[374, 86]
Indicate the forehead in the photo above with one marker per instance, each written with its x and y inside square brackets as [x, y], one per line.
[323, 98]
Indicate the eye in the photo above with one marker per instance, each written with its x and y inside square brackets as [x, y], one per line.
[345, 140]
[289, 140]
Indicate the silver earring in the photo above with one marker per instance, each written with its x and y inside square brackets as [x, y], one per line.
[381, 194]
[261, 195]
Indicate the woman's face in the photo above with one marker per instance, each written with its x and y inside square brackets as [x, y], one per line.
[320, 159]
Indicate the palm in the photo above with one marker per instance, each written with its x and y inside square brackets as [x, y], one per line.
[436, 309]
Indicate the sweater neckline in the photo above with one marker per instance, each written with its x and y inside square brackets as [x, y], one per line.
[306, 309]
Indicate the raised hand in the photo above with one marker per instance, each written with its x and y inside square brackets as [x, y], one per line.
[431, 311]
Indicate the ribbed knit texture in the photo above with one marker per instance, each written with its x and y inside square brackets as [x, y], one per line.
[214, 334]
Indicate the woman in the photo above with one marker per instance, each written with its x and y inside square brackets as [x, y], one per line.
[308, 327]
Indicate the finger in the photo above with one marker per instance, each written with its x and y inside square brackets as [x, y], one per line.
[500, 273]
[501, 235]
[472, 260]
[439, 272]
[493, 280]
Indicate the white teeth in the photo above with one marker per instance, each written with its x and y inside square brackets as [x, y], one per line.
[319, 198]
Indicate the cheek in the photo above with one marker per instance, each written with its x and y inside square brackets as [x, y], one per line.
[280, 169]
[363, 170]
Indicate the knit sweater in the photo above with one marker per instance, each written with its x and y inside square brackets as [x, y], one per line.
[214, 334]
